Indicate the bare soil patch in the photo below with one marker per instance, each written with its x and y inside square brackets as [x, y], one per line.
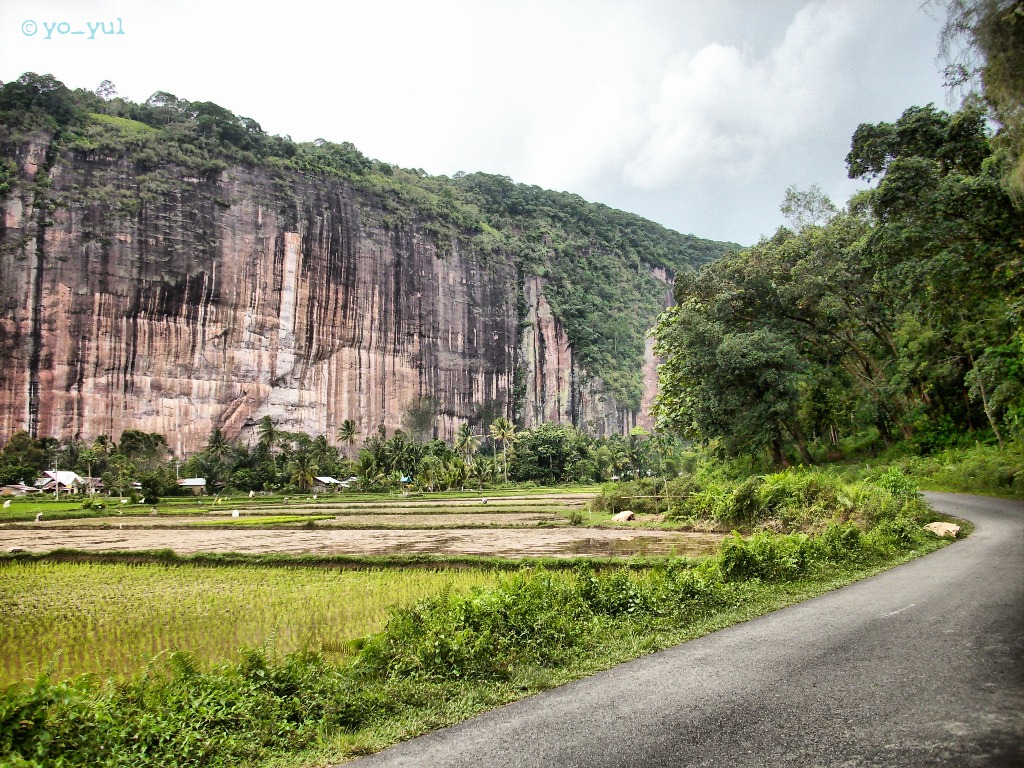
[503, 542]
[509, 526]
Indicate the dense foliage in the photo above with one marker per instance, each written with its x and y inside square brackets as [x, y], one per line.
[180, 713]
[900, 314]
[984, 45]
[290, 461]
[596, 262]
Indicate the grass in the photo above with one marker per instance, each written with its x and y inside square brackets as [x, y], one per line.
[435, 662]
[983, 469]
[25, 509]
[432, 661]
[437, 704]
[111, 619]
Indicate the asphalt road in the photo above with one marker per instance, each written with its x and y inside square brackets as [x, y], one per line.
[920, 666]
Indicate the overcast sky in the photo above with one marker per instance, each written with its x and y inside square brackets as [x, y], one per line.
[697, 114]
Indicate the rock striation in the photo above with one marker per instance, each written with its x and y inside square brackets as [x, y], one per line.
[177, 304]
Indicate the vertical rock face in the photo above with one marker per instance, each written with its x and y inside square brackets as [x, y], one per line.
[650, 369]
[177, 307]
[559, 389]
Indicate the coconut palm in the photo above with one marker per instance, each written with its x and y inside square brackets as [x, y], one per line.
[268, 434]
[217, 447]
[456, 473]
[347, 432]
[430, 474]
[504, 432]
[466, 442]
[303, 467]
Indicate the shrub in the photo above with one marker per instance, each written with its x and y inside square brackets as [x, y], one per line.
[840, 543]
[644, 497]
[898, 484]
[743, 506]
[525, 619]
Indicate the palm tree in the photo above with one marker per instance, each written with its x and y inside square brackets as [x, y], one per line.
[269, 434]
[456, 473]
[324, 454]
[303, 467]
[430, 472]
[466, 442]
[504, 432]
[347, 432]
[217, 447]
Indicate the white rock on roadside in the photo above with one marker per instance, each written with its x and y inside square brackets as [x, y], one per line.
[943, 529]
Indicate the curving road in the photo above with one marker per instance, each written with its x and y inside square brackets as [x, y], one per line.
[920, 666]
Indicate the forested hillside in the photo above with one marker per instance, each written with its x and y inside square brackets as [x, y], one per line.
[899, 316]
[596, 262]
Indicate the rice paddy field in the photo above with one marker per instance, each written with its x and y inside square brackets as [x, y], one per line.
[114, 619]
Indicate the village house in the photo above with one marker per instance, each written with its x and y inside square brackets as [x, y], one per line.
[196, 484]
[62, 481]
[18, 489]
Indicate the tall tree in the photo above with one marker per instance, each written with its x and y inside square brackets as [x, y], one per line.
[466, 442]
[504, 432]
[983, 41]
[347, 432]
[303, 467]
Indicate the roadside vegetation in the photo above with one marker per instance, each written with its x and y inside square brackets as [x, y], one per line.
[467, 646]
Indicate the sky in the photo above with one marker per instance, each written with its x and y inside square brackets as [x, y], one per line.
[697, 114]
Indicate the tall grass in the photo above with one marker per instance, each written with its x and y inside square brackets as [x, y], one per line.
[797, 499]
[982, 469]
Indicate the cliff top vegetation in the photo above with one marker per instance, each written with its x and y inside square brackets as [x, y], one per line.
[597, 262]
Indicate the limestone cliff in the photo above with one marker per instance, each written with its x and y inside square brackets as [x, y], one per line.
[155, 300]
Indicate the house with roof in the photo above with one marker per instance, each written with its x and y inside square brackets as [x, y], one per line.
[18, 489]
[195, 484]
[326, 484]
[61, 481]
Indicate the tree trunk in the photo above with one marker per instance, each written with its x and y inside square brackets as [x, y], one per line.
[985, 406]
[883, 431]
[800, 441]
[778, 455]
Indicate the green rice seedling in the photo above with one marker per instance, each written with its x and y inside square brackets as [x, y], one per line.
[111, 619]
[265, 520]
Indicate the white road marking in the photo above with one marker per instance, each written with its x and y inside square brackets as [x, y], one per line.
[893, 613]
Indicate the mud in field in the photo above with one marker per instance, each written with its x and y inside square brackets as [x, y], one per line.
[410, 520]
[378, 520]
[504, 542]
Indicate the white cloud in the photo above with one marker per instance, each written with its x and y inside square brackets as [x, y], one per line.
[695, 113]
[727, 110]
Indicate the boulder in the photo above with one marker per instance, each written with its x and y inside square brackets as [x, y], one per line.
[943, 529]
[623, 516]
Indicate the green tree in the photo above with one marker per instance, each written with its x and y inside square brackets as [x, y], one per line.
[503, 431]
[347, 432]
[806, 208]
[303, 467]
[217, 446]
[992, 62]
[466, 442]
[268, 435]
